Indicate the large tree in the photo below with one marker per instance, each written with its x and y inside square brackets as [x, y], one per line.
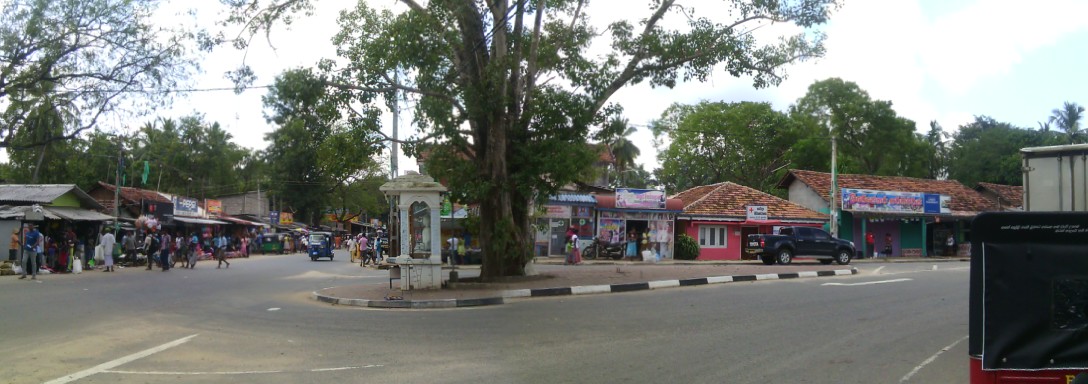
[512, 87]
[91, 58]
[712, 142]
[989, 150]
[872, 138]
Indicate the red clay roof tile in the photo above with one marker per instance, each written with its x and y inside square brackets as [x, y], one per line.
[731, 200]
[964, 200]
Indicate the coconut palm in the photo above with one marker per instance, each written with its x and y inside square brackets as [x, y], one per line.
[1067, 118]
[623, 149]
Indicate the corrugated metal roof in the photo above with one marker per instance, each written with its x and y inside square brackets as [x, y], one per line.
[572, 198]
[43, 194]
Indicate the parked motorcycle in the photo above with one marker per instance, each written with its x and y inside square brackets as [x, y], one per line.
[602, 248]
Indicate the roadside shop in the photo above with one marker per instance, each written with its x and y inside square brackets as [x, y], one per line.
[644, 215]
[562, 212]
[904, 216]
[721, 216]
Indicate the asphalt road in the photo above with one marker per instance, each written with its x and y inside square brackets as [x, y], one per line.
[255, 323]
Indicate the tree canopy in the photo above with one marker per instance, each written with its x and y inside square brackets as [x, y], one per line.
[510, 88]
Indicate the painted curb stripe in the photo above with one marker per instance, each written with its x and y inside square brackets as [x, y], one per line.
[807, 274]
[788, 275]
[590, 289]
[664, 284]
[825, 273]
[688, 282]
[767, 276]
[480, 302]
[551, 291]
[517, 293]
[744, 278]
[630, 287]
[719, 279]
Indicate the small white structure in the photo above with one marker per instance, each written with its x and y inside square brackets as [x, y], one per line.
[418, 199]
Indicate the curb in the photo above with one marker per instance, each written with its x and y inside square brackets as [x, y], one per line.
[571, 291]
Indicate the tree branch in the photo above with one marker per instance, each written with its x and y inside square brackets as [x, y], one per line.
[636, 59]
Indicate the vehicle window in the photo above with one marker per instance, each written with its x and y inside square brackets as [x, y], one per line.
[804, 233]
[786, 232]
[819, 234]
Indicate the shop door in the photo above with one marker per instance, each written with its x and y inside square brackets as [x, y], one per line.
[559, 236]
[744, 232]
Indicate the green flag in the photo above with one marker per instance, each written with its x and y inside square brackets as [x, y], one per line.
[147, 169]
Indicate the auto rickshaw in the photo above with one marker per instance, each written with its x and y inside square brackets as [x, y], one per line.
[320, 245]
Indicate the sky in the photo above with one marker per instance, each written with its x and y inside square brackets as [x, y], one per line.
[935, 60]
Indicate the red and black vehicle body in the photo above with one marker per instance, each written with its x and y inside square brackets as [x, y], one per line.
[1028, 320]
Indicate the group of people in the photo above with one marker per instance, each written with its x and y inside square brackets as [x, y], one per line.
[574, 255]
[361, 248]
[58, 250]
[168, 247]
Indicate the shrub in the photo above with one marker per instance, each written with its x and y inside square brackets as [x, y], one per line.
[686, 247]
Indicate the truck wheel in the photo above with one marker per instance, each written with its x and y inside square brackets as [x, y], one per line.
[843, 257]
[767, 259]
[785, 256]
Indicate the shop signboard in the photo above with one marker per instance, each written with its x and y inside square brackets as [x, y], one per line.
[185, 206]
[628, 198]
[159, 210]
[863, 200]
[757, 212]
[287, 218]
[557, 211]
[274, 217]
[214, 208]
[611, 230]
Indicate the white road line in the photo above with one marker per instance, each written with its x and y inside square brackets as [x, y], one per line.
[877, 271]
[120, 361]
[868, 282]
[930, 360]
[230, 373]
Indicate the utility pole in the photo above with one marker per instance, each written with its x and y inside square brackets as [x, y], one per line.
[834, 189]
[394, 152]
[117, 189]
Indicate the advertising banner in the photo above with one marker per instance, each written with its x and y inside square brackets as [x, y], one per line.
[274, 217]
[185, 206]
[214, 208]
[640, 198]
[611, 230]
[159, 210]
[287, 218]
[557, 211]
[864, 200]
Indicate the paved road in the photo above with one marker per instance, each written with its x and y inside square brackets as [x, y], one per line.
[254, 323]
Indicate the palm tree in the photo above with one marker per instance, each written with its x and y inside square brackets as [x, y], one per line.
[623, 149]
[1067, 118]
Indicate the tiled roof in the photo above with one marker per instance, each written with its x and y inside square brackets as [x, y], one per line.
[131, 196]
[1012, 195]
[604, 154]
[731, 200]
[964, 200]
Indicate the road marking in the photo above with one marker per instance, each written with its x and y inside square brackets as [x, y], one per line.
[230, 373]
[877, 271]
[273, 309]
[930, 360]
[868, 282]
[120, 361]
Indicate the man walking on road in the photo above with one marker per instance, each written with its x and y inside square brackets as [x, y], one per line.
[30, 252]
[129, 243]
[107, 250]
[221, 251]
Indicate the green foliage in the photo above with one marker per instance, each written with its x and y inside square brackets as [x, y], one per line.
[687, 248]
[79, 61]
[711, 142]
[872, 138]
[987, 150]
[1067, 119]
[507, 90]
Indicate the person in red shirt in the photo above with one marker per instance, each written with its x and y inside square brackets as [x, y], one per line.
[870, 244]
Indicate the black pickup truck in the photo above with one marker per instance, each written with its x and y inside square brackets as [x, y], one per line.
[799, 242]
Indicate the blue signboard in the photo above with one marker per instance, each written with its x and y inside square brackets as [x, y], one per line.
[184, 206]
[863, 200]
[274, 217]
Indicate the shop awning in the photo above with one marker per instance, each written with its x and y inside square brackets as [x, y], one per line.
[193, 220]
[78, 214]
[19, 211]
[236, 220]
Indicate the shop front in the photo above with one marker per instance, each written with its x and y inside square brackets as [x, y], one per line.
[720, 216]
[640, 215]
[563, 212]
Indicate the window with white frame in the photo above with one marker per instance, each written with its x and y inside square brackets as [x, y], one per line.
[712, 237]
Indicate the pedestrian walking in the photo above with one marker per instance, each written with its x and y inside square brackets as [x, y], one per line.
[129, 243]
[164, 253]
[152, 244]
[31, 248]
[194, 249]
[950, 245]
[363, 250]
[453, 242]
[107, 242]
[221, 251]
